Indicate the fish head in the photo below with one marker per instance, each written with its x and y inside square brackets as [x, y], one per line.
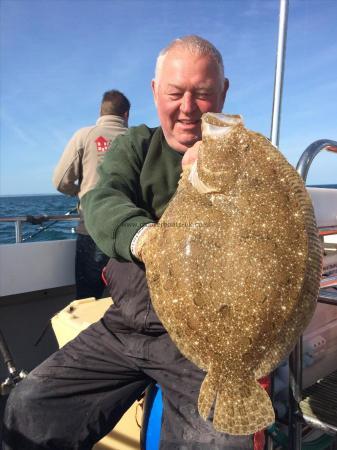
[222, 151]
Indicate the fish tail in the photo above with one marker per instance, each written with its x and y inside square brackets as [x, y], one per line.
[207, 396]
[242, 408]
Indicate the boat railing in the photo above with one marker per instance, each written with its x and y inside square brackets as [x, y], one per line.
[298, 405]
[310, 154]
[37, 220]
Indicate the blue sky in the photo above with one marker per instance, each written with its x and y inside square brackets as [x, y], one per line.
[59, 56]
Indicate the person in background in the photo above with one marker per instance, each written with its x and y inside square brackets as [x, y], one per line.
[77, 395]
[76, 174]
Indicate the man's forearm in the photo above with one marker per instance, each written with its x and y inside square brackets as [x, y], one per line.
[112, 220]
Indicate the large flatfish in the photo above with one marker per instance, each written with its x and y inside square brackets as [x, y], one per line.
[234, 267]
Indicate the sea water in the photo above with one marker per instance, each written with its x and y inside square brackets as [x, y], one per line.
[37, 205]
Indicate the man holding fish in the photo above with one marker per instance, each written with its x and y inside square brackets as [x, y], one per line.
[79, 393]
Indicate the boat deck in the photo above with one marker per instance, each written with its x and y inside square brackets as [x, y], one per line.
[25, 324]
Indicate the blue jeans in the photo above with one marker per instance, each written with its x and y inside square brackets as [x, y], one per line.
[89, 264]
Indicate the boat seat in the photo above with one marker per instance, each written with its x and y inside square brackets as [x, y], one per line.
[67, 324]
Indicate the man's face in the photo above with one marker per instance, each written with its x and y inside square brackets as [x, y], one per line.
[188, 86]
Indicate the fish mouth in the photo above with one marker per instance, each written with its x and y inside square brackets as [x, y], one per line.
[197, 183]
[219, 124]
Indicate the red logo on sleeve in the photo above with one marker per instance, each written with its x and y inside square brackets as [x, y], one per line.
[102, 144]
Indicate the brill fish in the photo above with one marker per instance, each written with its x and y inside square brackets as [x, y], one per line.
[233, 269]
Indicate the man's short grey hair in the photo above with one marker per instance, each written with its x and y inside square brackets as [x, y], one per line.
[195, 45]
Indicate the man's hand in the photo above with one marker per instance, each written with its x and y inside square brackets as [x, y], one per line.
[190, 155]
[141, 240]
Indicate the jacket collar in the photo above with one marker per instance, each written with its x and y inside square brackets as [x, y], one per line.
[111, 120]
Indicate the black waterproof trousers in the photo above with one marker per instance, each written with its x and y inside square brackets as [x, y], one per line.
[89, 263]
[79, 393]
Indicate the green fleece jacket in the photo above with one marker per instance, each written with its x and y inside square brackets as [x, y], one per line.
[137, 178]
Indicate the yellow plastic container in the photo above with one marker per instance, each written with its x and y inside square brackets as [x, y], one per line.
[67, 324]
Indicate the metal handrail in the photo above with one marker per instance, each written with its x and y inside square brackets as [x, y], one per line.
[36, 220]
[279, 73]
[311, 152]
[40, 219]
[277, 103]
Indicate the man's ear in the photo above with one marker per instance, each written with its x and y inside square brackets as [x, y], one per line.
[225, 89]
[154, 90]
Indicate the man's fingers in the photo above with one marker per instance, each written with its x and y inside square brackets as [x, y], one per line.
[191, 155]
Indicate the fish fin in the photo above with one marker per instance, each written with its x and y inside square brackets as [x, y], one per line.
[207, 396]
[242, 409]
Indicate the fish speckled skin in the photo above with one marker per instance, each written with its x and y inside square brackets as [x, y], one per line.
[234, 268]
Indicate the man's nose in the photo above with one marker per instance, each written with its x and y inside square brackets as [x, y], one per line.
[188, 103]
